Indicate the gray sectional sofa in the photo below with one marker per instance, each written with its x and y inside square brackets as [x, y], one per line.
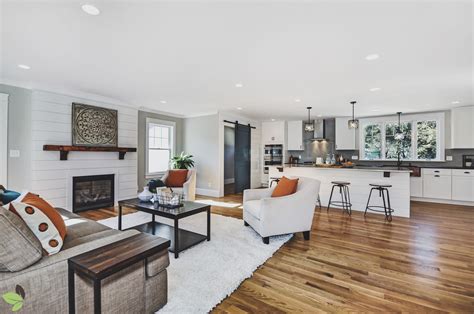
[141, 288]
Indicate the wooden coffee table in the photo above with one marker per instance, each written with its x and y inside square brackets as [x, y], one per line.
[180, 239]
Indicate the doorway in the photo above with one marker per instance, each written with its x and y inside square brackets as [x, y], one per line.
[237, 140]
[229, 164]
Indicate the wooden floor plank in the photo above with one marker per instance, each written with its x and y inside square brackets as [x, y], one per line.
[361, 264]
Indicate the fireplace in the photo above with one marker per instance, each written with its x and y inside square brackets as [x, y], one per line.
[91, 192]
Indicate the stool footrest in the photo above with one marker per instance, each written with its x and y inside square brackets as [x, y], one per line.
[340, 204]
[389, 210]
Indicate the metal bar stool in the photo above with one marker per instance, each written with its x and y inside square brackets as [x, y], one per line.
[387, 208]
[345, 201]
[319, 202]
[276, 180]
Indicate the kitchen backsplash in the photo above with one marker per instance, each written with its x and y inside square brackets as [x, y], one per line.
[315, 149]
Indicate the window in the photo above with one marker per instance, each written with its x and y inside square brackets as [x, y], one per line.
[160, 145]
[426, 145]
[372, 141]
[421, 140]
[392, 144]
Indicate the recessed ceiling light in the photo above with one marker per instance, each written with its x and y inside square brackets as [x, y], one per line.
[24, 66]
[239, 108]
[320, 115]
[372, 57]
[455, 102]
[163, 101]
[297, 100]
[273, 119]
[374, 89]
[238, 85]
[90, 9]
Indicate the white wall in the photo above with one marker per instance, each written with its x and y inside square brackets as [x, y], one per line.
[51, 124]
[201, 139]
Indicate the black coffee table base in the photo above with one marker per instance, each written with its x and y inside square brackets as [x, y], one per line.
[186, 239]
[180, 239]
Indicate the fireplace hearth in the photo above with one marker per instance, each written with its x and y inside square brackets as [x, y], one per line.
[92, 192]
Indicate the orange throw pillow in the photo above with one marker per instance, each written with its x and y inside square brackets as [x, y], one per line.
[176, 178]
[285, 187]
[43, 220]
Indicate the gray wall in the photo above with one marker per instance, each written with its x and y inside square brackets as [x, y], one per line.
[142, 116]
[19, 136]
[229, 149]
[201, 139]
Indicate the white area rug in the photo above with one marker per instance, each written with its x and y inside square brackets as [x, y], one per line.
[207, 273]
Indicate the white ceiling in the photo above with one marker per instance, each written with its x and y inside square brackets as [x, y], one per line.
[192, 54]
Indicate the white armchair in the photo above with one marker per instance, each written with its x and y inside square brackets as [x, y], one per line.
[271, 216]
[189, 187]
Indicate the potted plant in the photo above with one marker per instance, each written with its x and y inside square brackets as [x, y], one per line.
[182, 161]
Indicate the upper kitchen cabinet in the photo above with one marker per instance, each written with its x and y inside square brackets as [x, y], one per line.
[462, 130]
[295, 135]
[273, 132]
[345, 137]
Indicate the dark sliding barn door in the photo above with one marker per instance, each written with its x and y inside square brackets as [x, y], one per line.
[242, 158]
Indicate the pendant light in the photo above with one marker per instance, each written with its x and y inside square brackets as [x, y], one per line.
[309, 126]
[353, 124]
[399, 135]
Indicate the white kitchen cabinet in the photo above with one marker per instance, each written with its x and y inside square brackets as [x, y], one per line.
[416, 186]
[463, 185]
[345, 137]
[294, 133]
[437, 183]
[462, 129]
[273, 132]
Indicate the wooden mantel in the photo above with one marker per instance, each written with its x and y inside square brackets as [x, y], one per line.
[65, 149]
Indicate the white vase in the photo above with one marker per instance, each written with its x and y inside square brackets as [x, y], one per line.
[146, 195]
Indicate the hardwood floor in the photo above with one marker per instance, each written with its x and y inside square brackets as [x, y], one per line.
[422, 264]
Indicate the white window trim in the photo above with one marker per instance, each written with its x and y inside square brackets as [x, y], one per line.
[439, 117]
[149, 121]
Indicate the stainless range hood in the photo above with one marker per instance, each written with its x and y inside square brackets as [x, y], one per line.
[319, 130]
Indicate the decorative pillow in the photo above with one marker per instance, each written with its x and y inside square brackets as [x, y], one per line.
[43, 220]
[19, 247]
[176, 178]
[285, 187]
[8, 196]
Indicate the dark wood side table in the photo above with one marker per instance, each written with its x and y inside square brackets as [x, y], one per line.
[110, 259]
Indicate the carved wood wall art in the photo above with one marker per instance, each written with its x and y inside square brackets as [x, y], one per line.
[94, 126]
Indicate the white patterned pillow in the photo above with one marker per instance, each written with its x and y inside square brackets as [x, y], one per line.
[41, 225]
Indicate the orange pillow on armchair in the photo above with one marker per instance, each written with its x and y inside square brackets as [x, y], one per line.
[176, 178]
[285, 187]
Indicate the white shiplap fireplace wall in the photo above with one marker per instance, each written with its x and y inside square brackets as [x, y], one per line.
[51, 177]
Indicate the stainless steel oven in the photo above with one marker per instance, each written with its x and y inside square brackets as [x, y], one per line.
[273, 155]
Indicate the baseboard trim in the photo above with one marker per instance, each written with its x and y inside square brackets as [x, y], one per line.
[435, 200]
[229, 181]
[207, 192]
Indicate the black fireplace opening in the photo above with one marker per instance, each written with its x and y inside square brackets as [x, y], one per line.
[92, 192]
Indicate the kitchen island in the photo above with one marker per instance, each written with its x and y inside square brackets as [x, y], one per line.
[360, 178]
